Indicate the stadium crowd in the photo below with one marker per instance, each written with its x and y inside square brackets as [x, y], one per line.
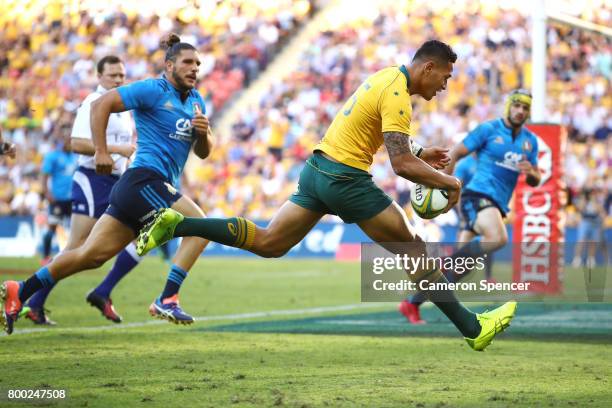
[49, 48]
[255, 169]
[269, 142]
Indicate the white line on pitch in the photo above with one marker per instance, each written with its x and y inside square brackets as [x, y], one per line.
[253, 315]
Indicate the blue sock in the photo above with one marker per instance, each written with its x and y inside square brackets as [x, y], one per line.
[125, 262]
[176, 276]
[38, 299]
[41, 279]
[47, 238]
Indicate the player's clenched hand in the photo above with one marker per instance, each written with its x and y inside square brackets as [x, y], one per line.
[104, 163]
[525, 167]
[454, 192]
[436, 156]
[200, 122]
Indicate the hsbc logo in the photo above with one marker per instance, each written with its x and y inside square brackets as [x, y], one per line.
[545, 160]
[538, 224]
[183, 130]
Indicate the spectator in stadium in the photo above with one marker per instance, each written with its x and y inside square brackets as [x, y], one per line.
[91, 191]
[169, 117]
[57, 170]
[7, 148]
[590, 204]
[336, 181]
[505, 149]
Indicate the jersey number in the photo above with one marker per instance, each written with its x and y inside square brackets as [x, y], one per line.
[348, 111]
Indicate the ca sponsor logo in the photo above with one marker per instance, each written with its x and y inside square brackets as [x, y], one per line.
[511, 160]
[183, 130]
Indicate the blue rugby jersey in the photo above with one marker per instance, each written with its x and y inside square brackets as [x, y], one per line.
[163, 122]
[465, 169]
[60, 166]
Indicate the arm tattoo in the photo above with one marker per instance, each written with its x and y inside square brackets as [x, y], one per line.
[397, 143]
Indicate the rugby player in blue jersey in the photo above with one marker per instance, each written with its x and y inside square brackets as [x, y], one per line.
[169, 116]
[57, 169]
[504, 149]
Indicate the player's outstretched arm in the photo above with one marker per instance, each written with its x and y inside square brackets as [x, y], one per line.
[101, 109]
[87, 148]
[457, 153]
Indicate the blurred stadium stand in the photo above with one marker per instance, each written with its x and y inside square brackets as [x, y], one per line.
[47, 66]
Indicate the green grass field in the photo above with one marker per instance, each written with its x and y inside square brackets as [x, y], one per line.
[293, 333]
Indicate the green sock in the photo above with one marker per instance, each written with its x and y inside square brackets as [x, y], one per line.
[464, 319]
[237, 231]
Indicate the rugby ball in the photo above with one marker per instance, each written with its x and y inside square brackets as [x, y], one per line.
[428, 202]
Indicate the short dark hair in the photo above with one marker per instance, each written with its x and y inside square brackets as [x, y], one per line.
[109, 59]
[437, 50]
[173, 46]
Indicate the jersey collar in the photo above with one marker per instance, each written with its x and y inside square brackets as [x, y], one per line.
[176, 91]
[511, 130]
[101, 89]
[406, 74]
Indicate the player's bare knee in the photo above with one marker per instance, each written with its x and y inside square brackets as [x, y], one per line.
[276, 251]
[498, 239]
[269, 244]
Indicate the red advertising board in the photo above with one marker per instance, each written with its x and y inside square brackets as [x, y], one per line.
[539, 221]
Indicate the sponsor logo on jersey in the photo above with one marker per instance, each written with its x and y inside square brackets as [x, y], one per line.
[183, 130]
[511, 161]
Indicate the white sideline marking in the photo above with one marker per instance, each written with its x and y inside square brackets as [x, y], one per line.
[253, 315]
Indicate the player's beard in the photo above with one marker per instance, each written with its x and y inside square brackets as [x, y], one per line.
[514, 124]
[179, 81]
